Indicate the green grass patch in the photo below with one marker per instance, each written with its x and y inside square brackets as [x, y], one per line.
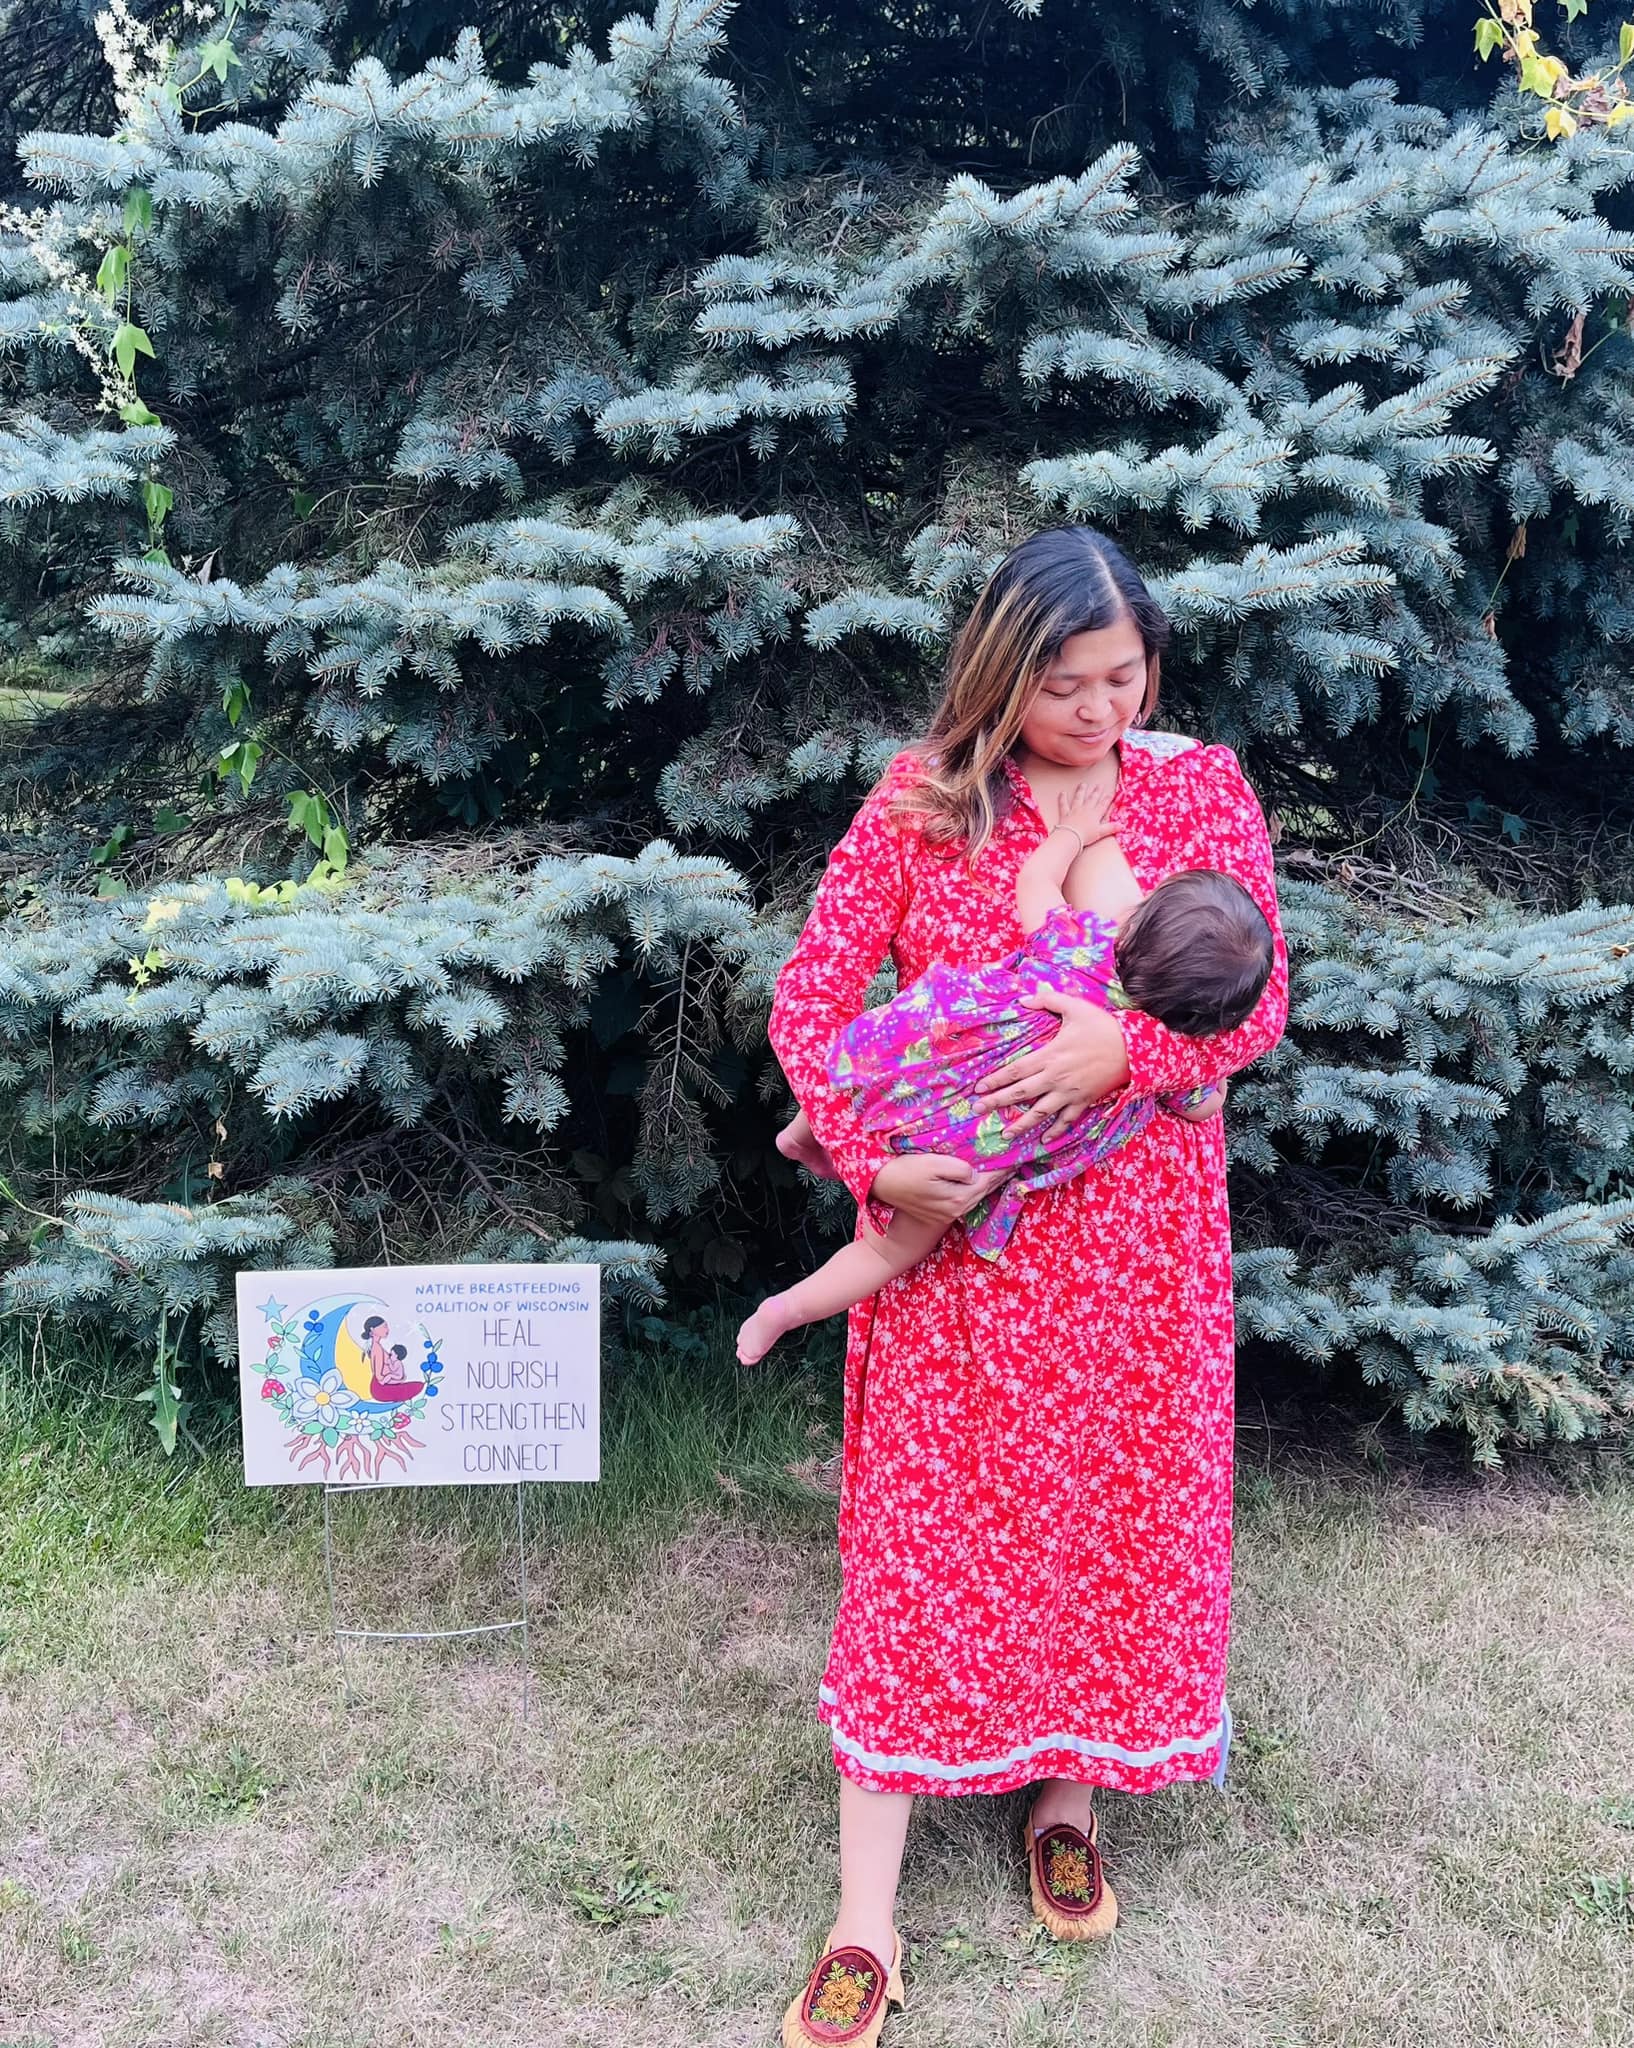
[87, 1497]
[220, 1833]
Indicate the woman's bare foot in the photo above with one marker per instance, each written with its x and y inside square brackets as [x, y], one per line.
[879, 1938]
[769, 1322]
[1062, 1801]
[797, 1141]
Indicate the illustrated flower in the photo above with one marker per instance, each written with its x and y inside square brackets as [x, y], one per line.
[399, 1420]
[322, 1400]
[271, 1387]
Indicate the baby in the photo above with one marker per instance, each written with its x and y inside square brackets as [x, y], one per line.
[1196, 953]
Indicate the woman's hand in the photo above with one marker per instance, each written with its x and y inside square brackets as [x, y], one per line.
[933, 1186]
[1060, 1079]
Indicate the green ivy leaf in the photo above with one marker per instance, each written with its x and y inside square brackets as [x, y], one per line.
[303, 502]
[1489, 36]
[113, 270]
[1574, 8]
[135, 414]
[1625, 42]
[115, 843]
[167, 819]
[1514, 828]
[241, 760]
[138, 209]
[1535, 78]
[218, 57]
[128, 343]
[336, 848]
[300, 815]
[157, 498]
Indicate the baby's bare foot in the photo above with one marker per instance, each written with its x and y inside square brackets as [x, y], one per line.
[769, 1322]
[806, 1151]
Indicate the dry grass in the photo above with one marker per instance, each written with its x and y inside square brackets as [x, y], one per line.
[1428, 1834]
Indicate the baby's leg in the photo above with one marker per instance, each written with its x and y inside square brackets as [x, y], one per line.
[798, 1141]
[860, 1269]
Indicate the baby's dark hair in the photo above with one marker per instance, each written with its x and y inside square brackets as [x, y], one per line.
[1196, 953]
[399, 1351]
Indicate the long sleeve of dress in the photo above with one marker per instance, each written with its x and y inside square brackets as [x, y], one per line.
[860, 902]
[1224, 829]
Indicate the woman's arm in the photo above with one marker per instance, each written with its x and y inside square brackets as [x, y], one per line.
[1225, 829]
[860, 902]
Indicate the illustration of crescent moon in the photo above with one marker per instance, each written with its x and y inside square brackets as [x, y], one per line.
[351, 1361]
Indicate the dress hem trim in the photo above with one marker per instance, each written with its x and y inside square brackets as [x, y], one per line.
[1219, 1736]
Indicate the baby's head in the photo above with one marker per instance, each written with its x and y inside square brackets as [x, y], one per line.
[1196, 953]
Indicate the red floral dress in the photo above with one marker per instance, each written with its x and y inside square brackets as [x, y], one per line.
[1035, 1507]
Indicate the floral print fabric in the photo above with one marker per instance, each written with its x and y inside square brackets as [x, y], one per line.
[1035, 1506]
[913, 1065]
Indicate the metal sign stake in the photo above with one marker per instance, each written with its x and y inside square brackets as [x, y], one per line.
[419, 1635]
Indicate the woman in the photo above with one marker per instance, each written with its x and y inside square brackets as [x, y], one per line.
[386, 1365]
[1035, 1505]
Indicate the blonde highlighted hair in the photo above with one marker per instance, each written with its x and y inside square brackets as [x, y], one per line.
[1065, 580]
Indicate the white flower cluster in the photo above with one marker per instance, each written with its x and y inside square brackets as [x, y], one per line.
[140, 63]
[136, 57]
[86, 325]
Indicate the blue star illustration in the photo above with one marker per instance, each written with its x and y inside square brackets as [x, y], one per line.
[272, 1309]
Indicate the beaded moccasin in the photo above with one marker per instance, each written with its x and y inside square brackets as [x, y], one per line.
[1070, 1892]
[844, 2002]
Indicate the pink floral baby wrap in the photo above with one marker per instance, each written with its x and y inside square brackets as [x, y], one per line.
[912, 1066]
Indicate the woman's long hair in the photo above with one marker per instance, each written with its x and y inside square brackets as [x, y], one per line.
[1065, 580]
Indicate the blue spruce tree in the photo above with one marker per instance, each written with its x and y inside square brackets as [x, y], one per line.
[497, 503]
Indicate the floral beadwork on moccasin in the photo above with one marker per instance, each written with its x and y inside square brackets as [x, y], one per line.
[842, 1996]
[1066, 1869]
